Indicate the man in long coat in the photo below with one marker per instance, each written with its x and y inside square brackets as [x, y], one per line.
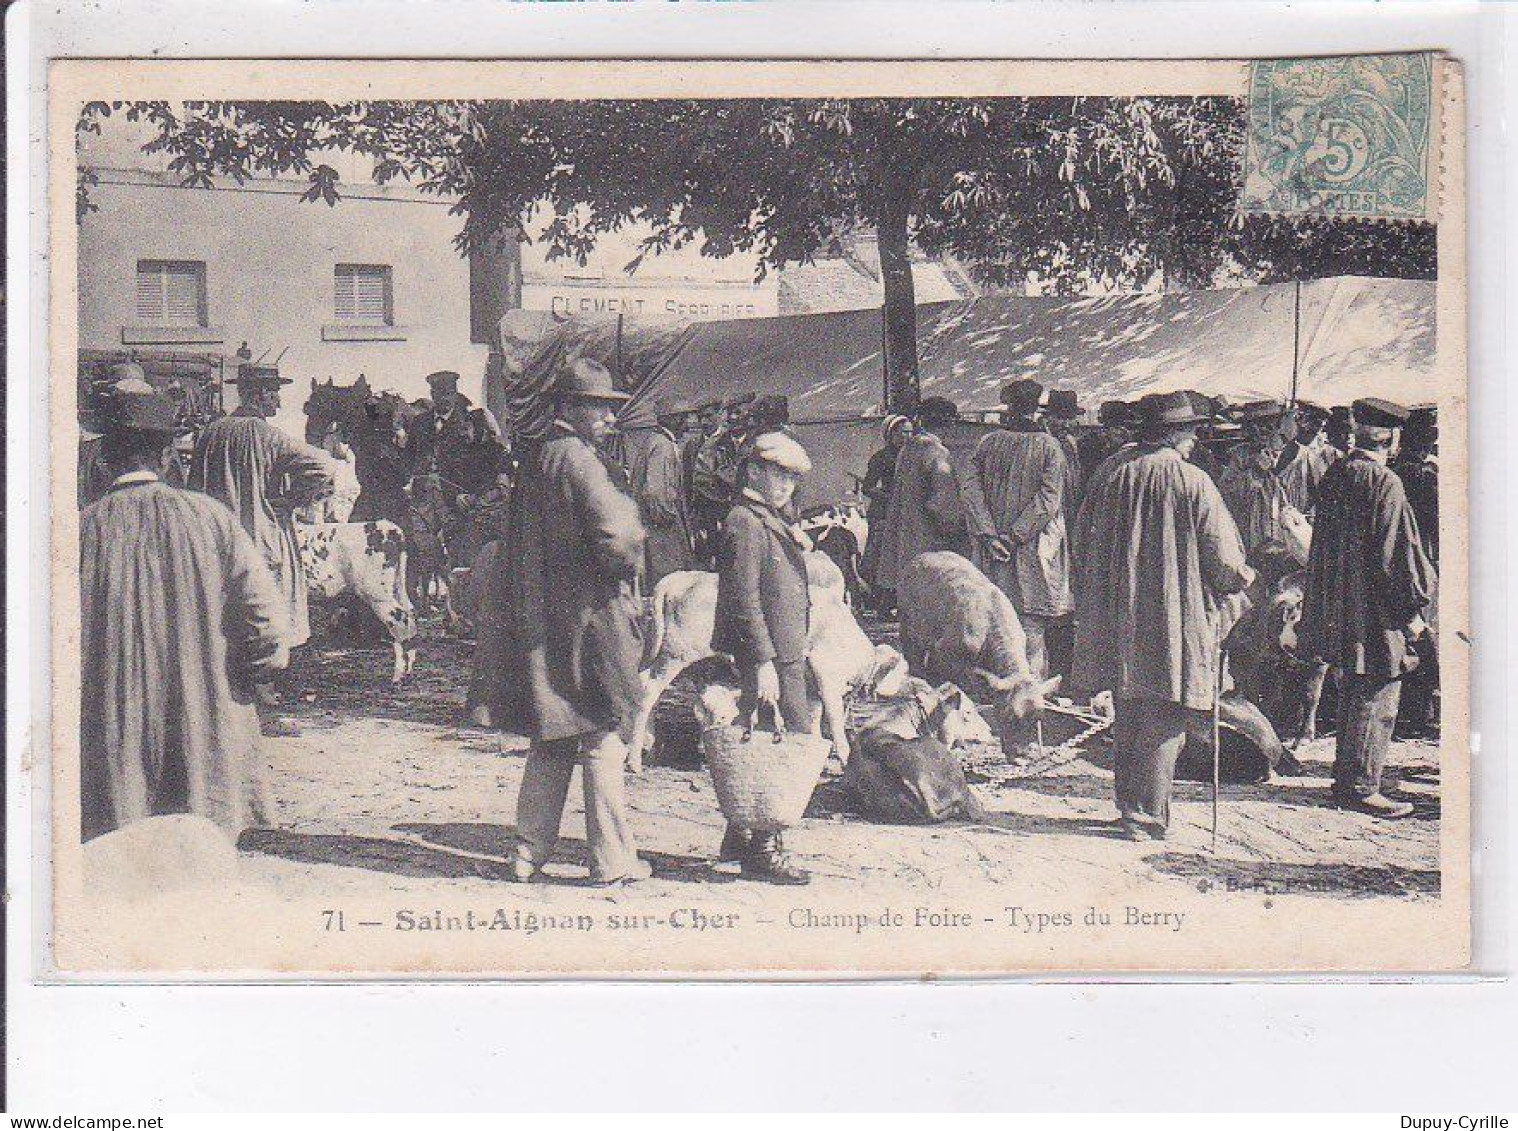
[1015, 494]
[264, 475]
[926, 511]
[658, 477]
[573, 642]
[1368, 584]
[1157, 550]
[1305, 458]
[179, 620]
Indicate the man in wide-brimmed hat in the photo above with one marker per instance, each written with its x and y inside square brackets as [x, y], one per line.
[1015, 499]
[658, 480]
[1157, 552]
[1254, 492]
[763, 615]
[264, 475]
[1369, 583]
[180, 619]
[572, 637]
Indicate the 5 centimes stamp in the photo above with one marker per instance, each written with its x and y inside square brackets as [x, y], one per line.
[1349, 136]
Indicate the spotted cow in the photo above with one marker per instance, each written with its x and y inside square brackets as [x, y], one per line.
[368, 560]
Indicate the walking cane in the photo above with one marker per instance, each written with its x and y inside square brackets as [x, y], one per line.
[1217, 726]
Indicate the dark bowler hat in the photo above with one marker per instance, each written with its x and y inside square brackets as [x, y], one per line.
[1064, 404]
[1378, 413]
[1022, 396]
[133, 405]
[588, 380]
[1116, 413]
[1254, 411]
[1169, 410]
[937, 410]
[443, 381]
[260, 376]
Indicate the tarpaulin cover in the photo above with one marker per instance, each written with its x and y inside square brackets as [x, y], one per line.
[1358, 337]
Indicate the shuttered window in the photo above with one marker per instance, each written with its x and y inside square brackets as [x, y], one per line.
[171, 292]
[362, 294]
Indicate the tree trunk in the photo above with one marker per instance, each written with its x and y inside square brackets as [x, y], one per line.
[899, 312]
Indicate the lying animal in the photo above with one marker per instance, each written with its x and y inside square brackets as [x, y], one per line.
[368, 560]
[904, 767]
[842, 658]
[956, 625]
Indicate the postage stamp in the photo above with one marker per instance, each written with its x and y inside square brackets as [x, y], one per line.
[1347, 136]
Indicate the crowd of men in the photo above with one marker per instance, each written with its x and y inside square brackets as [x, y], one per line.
[1118, 545]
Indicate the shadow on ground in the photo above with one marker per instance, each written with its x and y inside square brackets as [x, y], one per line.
[1272, 878]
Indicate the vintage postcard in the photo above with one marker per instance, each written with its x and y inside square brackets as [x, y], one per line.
[739, 519]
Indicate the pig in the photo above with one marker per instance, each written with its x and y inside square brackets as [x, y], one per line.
[956, 625]
[842, 658]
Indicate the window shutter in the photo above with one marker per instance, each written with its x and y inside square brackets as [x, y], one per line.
[362, 294]
[171, 293]
[149, 294]
[181, 300]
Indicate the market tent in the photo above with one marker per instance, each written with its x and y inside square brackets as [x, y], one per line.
[1358, 337]
[1354, 337]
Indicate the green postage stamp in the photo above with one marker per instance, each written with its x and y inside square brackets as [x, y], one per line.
[1347, 136]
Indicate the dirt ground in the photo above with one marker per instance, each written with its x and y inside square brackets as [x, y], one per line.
[384, 793]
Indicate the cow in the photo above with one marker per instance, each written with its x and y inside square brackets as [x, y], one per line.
[368, 560]
[840, 532]
[842, 658]
[957, 626]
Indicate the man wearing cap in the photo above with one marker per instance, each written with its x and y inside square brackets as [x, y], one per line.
[762, 618]
[179, 620]
[1157, 553]
[1368, 584]
[877, 487]
[1015, 499]
[658, 479]
[264, 476]
[926, 511]
[573, 643]
[1250, 485]
[1305, 457]
[1417, 465]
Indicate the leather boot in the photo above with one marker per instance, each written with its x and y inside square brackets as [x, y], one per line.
[766, 860]
[735, 845]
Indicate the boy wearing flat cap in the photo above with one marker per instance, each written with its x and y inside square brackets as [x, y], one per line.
[763, 618]
[1369, 582]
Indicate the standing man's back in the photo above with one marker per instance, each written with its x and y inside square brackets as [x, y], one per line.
[1157, 551]
[1368, 584]
[263, 475]
[179, 621]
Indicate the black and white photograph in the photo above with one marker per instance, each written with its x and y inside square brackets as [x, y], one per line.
[745, 519]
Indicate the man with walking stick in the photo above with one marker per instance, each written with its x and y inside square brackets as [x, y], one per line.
[1156, 551]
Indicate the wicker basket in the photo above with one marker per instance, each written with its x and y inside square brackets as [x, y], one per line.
[764, 779]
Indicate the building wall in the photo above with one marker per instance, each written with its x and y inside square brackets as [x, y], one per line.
[269, 277]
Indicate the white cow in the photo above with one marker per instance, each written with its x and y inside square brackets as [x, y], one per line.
[367, 559]
[842, 658]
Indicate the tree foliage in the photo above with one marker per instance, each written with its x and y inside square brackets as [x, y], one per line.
[1078, 193]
